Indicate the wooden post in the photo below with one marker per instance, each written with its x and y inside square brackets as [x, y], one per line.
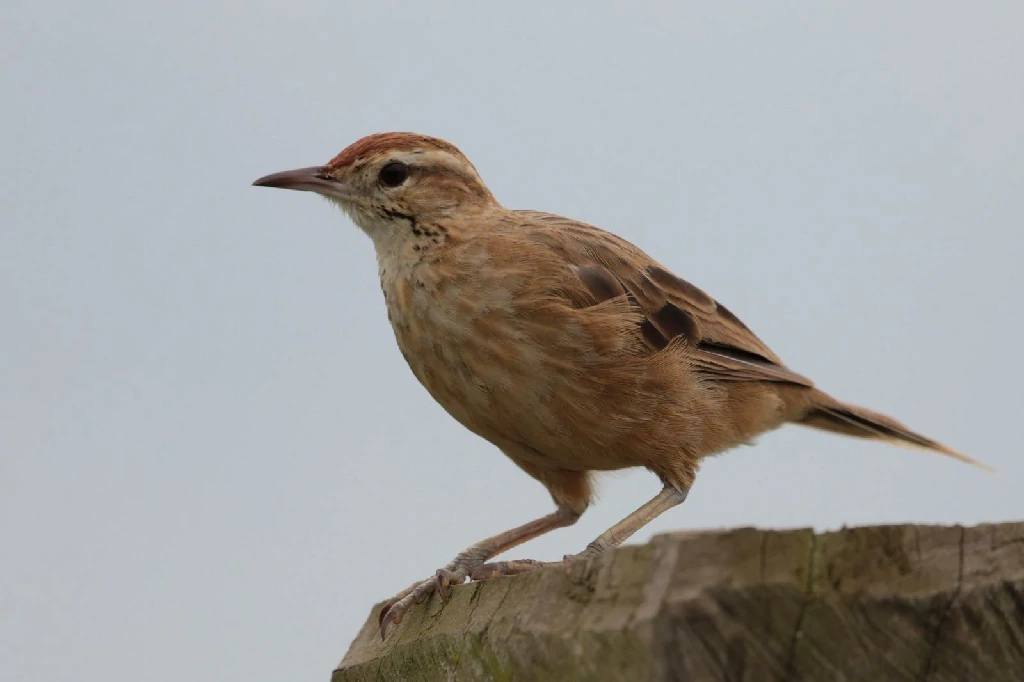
[873, 604]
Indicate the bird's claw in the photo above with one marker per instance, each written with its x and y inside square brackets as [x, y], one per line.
[388, 616]
[392, 612]
[498, 569]
[444, 578]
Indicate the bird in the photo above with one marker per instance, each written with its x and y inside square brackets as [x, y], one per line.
[565, 346]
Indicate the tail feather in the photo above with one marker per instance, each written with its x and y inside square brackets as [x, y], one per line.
[859, 422]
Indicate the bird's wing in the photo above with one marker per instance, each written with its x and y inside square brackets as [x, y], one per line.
[608, 266]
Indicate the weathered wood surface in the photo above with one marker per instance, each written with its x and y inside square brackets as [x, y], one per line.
[860, 604]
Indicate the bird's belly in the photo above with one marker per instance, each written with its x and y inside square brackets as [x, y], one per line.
[482, 380]
[552, 404]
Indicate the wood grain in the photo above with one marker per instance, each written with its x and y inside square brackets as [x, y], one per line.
[889, 603]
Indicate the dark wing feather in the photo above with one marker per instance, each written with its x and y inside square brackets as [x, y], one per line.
[609, 266]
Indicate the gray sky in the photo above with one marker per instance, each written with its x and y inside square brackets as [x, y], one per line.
[213, 459]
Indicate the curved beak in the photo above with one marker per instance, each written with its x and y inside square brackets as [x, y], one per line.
[312, 179]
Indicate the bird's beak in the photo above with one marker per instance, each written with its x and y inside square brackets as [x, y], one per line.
[313, 179]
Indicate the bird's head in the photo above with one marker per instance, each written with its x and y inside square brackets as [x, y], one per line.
[393, 185]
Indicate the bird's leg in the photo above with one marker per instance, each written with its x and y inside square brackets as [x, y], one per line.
[467, 561]
[669, 497]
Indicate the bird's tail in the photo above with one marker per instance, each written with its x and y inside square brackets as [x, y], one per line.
[829, 414]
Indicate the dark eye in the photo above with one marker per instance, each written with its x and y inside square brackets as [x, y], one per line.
[393, 174]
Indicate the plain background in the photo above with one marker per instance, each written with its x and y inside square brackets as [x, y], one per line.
[214, 459]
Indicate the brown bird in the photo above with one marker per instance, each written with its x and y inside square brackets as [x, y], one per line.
[565, 346]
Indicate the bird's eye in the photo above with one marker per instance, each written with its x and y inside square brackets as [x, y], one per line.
[393, 174]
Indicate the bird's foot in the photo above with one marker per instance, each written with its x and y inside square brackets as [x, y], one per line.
[497, 569]
[455, 573]
[394, 609]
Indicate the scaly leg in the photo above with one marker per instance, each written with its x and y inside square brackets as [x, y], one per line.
[466, 562]
[613, 537]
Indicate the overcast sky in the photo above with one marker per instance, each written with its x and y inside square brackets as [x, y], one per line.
[213, 459]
